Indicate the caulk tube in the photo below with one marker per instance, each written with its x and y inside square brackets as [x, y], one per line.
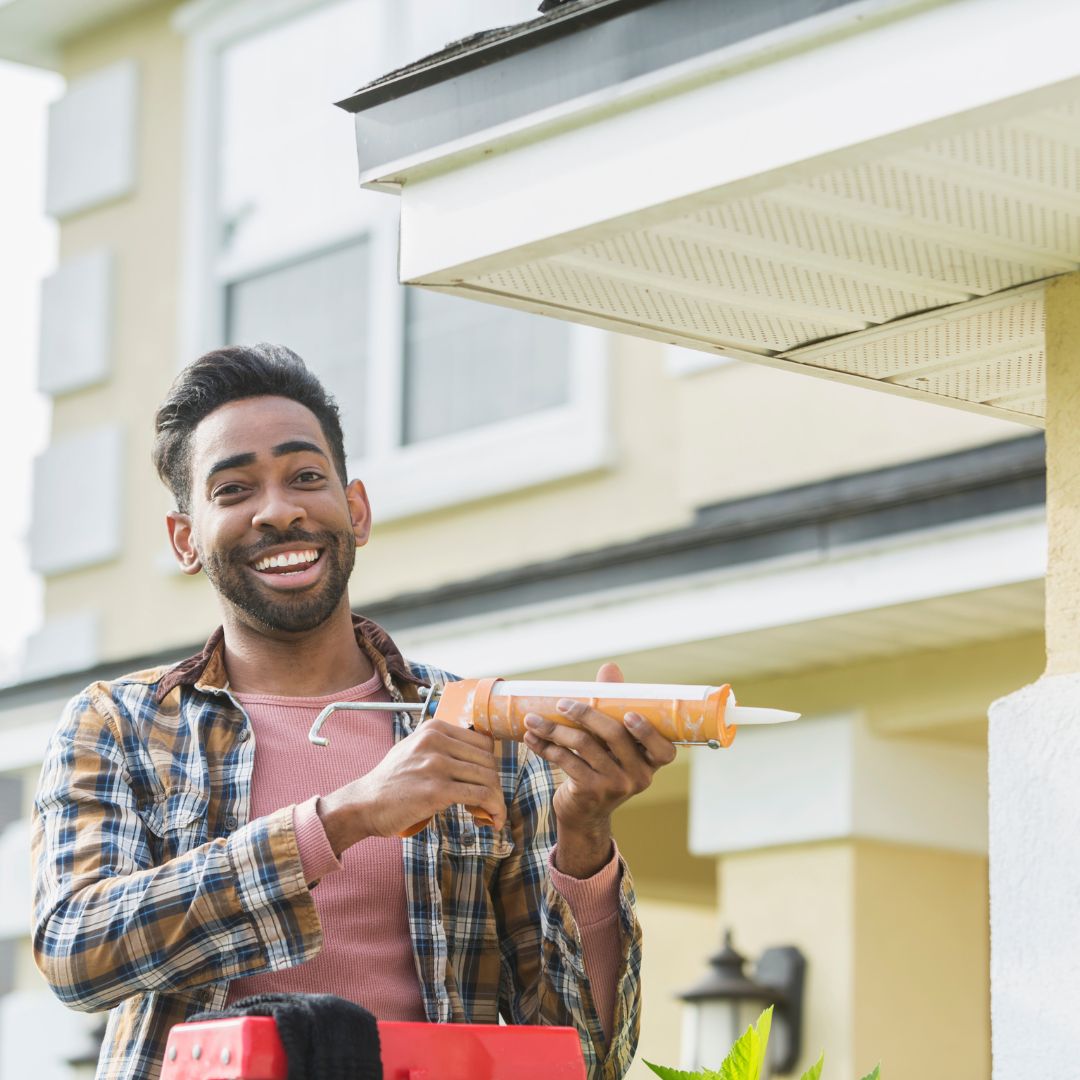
[497, 707]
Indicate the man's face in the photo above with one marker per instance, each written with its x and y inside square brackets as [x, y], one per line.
[270, 522]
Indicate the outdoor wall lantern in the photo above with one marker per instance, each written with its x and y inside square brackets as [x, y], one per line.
[717, 1010]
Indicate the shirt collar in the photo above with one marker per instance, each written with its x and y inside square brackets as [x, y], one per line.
[206, 670]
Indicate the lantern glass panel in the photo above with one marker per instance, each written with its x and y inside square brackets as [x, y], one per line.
[710, 1029]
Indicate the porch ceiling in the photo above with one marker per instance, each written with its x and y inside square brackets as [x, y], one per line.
[906, 256]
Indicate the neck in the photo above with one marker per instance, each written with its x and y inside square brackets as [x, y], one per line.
[308, 664]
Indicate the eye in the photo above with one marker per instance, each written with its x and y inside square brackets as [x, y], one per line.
[309, 476]
[228, 491]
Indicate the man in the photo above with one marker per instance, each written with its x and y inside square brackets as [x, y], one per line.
[193, 847]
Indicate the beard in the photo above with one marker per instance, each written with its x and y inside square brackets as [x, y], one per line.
[230, 574]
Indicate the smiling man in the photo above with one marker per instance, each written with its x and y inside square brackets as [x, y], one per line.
[193, 847]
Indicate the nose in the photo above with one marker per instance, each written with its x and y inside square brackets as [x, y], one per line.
[277, 511]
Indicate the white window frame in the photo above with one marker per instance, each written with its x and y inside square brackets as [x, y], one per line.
[402, 480]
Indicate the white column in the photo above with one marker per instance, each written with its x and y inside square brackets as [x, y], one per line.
[1035, 769]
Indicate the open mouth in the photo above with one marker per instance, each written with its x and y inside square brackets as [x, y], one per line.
[286, 564]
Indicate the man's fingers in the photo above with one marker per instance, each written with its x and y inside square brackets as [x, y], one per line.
[603, 728]
[610, 672]
[578, 740]
[482, 797]
[458, 743]
[562, 757]
[657, 749]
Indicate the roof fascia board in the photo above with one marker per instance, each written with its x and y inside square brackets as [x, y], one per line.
[432, 105]
[450, 62]
[913, 78]
[642, 90]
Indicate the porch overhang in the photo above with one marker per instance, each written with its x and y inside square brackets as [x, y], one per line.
[875, 194]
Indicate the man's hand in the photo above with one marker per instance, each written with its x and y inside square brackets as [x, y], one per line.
[605, 762]
[440, 764]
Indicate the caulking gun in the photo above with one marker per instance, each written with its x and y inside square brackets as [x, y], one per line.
[687, 715]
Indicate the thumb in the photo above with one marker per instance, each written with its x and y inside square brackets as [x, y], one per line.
[610, 673]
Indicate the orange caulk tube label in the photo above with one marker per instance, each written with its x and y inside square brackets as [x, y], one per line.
[492, 707]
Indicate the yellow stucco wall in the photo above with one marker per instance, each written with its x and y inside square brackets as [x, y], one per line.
[922, 963]
[144, 233]
[677, 939]
[897, 950]
[651, 835]
[1062, 474]
[744, 429]
[803, 896]
[946, 692]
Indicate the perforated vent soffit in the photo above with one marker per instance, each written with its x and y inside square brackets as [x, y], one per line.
[918, 270]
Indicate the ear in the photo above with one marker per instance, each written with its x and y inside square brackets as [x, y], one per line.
[182, 541]
[359, 511]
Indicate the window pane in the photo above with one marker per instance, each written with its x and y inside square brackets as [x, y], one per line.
[469, 364]
[288, 157]
[318, 308]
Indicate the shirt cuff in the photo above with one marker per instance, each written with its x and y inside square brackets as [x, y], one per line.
[593, 899]
[316, 855]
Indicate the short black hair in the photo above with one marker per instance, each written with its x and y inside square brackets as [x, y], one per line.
[232, 374]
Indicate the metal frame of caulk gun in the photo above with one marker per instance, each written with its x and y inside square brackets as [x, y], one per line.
[422, 709]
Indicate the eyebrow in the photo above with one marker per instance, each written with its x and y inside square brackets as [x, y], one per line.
[296, 446]
[238, 461]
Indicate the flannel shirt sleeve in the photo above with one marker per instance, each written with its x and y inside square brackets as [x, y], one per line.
[109, 923]
[542, 956]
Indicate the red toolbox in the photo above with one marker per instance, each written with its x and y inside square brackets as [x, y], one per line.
[248, 1048]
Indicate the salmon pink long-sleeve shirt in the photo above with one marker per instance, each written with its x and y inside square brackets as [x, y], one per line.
[367, 956]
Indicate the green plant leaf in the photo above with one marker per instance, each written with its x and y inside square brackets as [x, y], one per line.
[673, 1074]
[875, 1075]
[747, 1056]
[814, 1072]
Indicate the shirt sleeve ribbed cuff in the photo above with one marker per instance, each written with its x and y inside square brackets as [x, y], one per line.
[316, 855]
[594, 899]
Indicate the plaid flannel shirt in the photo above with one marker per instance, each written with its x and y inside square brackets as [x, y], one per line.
[153, 888]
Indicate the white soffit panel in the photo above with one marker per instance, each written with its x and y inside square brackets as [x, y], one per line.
[78, 494]
[92, 140]
[76, 323]
[903, 258]
[917, 273]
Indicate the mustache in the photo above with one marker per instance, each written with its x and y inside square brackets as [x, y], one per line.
[292, 536]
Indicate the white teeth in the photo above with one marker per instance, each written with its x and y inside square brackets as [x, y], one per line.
[291, 558]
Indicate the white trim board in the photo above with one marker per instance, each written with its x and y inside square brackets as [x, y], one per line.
[748, 130]
[774, 594]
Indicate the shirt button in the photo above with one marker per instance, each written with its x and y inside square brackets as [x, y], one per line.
[230, 822]
[244, 735]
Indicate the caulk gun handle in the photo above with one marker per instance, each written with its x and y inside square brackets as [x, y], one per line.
[481, 817]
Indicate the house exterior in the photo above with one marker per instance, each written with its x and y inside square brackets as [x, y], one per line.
[547, 496]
